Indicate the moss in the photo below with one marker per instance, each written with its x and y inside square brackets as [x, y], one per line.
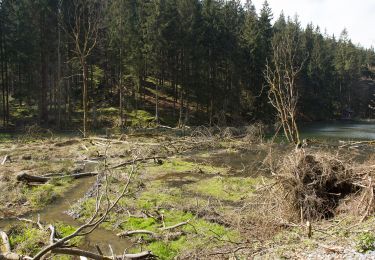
[226, 188]
[47, 193]
[42, 195]
[23, 112]
[6, 137]
[180, 166]
[365, 242]
[26, 239]
[156, 196]
[141, 118]
[87, 208]
[133, 223]
[168, 250]
[164, 249]
[64, 230]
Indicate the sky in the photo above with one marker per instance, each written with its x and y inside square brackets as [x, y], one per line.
[357, 16]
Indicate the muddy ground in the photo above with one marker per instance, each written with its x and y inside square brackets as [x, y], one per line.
[211, 183]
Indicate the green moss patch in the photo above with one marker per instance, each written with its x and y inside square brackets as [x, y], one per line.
[180, 166]
[197, 233]
[43, 195]
[26, 239]
[141, 118]
[226, 188]
[64, 230]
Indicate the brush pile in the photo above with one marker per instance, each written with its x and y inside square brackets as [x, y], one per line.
[317, 186]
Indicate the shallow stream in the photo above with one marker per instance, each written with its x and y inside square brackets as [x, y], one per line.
[243, 163]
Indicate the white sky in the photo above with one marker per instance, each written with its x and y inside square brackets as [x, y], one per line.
[357, 16]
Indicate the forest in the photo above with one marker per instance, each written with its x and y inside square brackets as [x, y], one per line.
[183, 129]
[184, 62]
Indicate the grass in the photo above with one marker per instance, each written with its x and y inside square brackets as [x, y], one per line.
[181, 166]
[43, 195]
[198, 233]
[141, 118]
[26, 239]
[64, 230]
[226, 188]
[365, 242]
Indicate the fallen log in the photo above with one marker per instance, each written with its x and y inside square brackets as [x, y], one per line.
[153, 234]
[6, 158]
[8, 254]
[36, 223]
[136, 232]
[25, 177]
[116, 141]
[130, 162]
[5, 241]
[91, 255]
[176, 226]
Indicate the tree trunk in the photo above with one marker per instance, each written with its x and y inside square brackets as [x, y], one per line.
[2, 72]
[59, 83]
[6, 93]
[157, 101]
[121, 93]
[84, 96]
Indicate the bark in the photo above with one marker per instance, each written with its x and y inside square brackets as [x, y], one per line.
[153, 234]
[8, 255]
[130, 162]
[84, 96]
[176, 226]
[136, 232]
[43, 114]
[79, 252]
[24, 177]
[59, 83]
[2, 57]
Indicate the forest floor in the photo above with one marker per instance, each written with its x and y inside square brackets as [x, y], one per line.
[210, 183]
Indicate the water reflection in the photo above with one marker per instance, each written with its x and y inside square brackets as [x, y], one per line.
[339, 130]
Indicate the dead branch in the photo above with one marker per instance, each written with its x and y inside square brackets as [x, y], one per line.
[52, 237]
[80, 252]
[155, 158]
[153, 234]
[6, 158]
[137, 232]
[176, 226]
[116, 141]
[36, 223]
[8, 254]
[5, 241]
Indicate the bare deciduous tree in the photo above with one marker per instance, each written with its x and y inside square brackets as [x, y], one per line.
[281, 76]
[84, 32]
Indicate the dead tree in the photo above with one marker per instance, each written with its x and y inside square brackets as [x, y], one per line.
[281, 76]
[84, 32]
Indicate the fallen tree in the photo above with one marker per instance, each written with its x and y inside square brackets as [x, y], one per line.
[156, 159]
[313, 186]
[154, 234]
[25, 177]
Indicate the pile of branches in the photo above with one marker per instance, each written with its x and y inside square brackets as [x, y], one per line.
[252, 133]
[320, 186]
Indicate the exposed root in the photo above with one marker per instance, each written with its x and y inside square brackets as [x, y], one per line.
[315, 186]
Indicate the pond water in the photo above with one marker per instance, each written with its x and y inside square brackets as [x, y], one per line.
[340, 130]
